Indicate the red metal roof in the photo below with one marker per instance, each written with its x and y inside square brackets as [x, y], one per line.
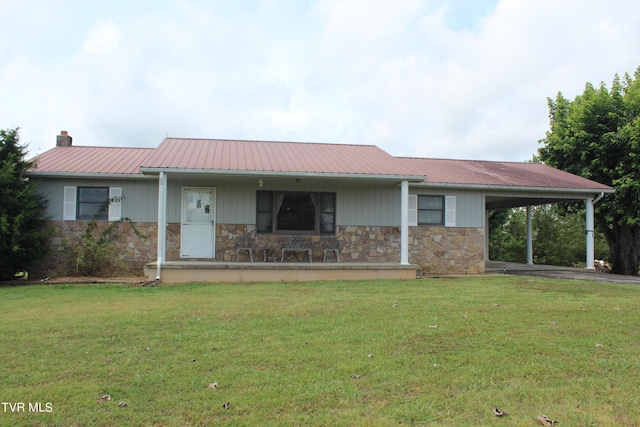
[306, 158]
[504, 174]
[92, 160]
[261, 156]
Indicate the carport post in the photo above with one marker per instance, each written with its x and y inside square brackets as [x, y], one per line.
[589, 228]
[529, 237]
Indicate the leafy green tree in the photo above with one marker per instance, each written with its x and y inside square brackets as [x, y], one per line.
[508, 235]
[558, 236]
[597, 136]
[24, 233]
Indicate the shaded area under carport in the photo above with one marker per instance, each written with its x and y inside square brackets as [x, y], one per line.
[556, 272]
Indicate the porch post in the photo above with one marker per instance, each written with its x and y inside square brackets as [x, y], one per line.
[589, 229]
[529, 237]
[404, 222]
[162, 223]
[486, 235]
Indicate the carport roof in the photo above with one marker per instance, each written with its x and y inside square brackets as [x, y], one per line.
[466, 173]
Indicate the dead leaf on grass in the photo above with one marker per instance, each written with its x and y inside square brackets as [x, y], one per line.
[104, 398]
[433, 326]
[546, 421]
[599, 345]
[123, 404]
[213, 386]
[226, 405]
[108, 361]
[498, 413]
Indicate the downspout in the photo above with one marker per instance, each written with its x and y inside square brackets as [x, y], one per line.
[162, 223]
[597, 199]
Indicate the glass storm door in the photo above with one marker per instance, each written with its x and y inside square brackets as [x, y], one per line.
[197, 236]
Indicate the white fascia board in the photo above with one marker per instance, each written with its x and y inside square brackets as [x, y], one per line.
[93, 175]
[513, 188]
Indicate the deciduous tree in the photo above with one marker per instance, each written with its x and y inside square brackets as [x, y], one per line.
[597, 135]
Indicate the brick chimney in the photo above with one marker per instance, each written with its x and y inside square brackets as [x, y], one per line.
[63, 140]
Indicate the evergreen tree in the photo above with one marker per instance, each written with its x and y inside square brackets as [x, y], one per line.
[24, 233]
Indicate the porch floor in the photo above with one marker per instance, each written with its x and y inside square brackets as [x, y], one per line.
[217, 271]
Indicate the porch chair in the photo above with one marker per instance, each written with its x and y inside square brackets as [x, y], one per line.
[244, 243]
[295, 244]
[330, 244]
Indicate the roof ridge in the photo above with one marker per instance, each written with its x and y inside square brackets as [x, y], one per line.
[468, 160]
[108, 147]
[350, 144]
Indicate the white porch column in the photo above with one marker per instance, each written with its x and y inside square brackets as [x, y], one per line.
[589, 228]
[162, 223]
[404, 222]
[486, 235]
[529, 237]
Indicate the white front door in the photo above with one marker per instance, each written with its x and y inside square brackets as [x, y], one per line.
[197, 235]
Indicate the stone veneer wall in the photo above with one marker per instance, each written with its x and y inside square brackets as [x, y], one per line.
[436, 250]
[135, 252]
[447, 250]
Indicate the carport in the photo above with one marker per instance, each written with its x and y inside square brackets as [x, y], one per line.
[508, 198]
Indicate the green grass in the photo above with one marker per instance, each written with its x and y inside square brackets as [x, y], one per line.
[333, 353]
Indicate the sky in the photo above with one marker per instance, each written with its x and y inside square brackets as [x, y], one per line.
[456, 79]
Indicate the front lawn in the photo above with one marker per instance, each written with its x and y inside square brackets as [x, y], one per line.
[434, 352]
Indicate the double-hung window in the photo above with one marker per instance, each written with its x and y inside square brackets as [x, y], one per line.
[92, 203]
[431, 210]
[295, 212]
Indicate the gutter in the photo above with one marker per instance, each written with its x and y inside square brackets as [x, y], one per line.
[512, 188]
[281, 174]
[95, 175]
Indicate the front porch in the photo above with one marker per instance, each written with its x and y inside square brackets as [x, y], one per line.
[237, 272]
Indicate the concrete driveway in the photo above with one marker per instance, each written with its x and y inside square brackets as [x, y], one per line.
[554, 272]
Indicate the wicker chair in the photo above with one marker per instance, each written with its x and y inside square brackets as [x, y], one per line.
[244, 243]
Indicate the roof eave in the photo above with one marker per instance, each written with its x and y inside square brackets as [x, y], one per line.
[226, 172]
[94, 175]
[608, 190]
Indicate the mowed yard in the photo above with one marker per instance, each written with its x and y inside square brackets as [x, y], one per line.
[432, 352]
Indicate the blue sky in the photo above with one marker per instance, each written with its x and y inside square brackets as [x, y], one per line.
[431, 78]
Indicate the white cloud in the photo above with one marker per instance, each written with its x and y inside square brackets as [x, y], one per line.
[104, 37]
[416, 77]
